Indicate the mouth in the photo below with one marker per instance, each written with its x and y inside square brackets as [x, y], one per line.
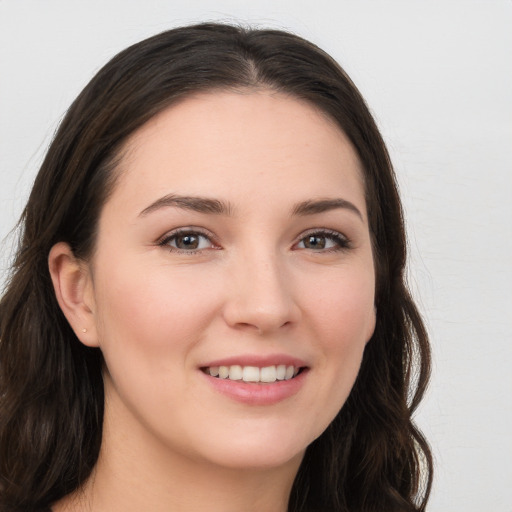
[254, 374]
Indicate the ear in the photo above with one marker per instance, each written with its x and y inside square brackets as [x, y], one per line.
[74, 291]
[372, 324]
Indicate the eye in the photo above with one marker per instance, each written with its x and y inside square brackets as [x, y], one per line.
[323, 241]
[187, 241]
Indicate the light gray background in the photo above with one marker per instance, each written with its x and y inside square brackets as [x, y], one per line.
[438, 78]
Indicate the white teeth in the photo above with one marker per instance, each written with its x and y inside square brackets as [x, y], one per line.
[268, 374]
[253, 373]
[281, 372]
[235, 372]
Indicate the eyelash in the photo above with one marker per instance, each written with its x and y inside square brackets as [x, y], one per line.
[164, 242]
[341, 242]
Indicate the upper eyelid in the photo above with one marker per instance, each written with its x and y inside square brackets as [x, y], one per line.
[187, 229]
[322, 231]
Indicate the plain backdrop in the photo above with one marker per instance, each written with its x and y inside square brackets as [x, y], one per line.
[438, 78]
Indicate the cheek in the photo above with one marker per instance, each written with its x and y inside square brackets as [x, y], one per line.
[149, 322]
[138, 299]
[342, 322]
[343, 309]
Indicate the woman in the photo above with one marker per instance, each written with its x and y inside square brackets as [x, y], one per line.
[208, 306]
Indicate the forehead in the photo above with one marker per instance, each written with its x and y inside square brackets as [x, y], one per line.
[235, 143]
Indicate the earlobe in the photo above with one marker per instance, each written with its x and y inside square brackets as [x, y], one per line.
[72, 284]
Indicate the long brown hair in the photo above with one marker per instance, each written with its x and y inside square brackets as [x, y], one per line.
[372, 457]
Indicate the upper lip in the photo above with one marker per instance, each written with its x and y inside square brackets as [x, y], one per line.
[260, 361]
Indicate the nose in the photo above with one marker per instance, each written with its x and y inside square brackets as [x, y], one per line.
[261, 297]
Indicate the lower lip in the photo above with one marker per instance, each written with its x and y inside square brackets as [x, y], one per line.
[258, 393]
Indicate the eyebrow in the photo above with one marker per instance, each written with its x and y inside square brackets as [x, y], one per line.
[215, 206]
[324, 205]
[193, 203]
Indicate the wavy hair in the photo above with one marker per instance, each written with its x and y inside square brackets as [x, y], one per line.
[372, 457]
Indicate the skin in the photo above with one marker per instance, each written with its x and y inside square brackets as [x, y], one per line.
[254, 286]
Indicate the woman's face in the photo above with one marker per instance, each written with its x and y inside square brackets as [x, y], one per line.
[236, 242]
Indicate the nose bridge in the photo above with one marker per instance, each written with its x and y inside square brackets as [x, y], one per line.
[261, 292]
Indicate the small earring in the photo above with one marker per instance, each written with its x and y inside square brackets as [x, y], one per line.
[84, 330]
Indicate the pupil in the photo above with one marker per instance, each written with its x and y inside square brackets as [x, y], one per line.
[315, 242]
[187, 242]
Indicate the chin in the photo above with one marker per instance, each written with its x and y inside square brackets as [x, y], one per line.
[265, 449]
[260, 459]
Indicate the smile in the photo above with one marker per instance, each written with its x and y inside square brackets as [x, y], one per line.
[266, 374]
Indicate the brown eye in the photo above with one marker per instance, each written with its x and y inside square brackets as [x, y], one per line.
[187, 241]
[324, 241]
[314, 242]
